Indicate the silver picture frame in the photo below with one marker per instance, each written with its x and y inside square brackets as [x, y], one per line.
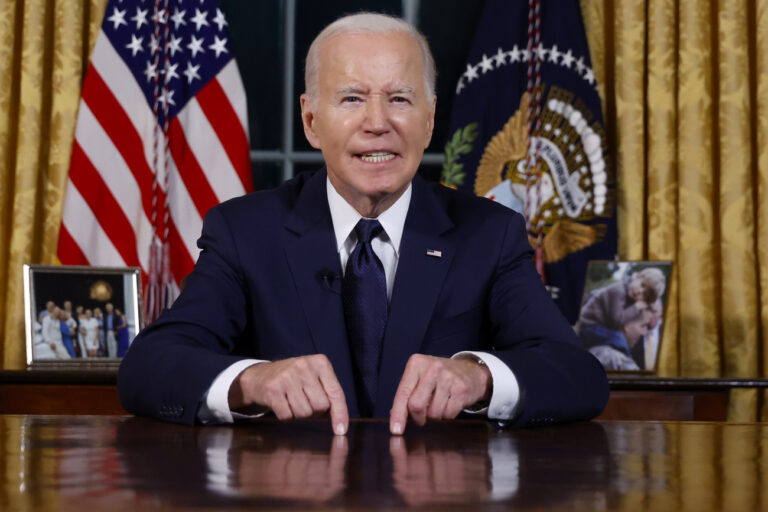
[80, 317]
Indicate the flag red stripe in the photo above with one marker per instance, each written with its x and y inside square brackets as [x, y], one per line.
[223, 118]
[189, 169]
[112, 117]
[97, 195]
[68, 251]
[182, 260]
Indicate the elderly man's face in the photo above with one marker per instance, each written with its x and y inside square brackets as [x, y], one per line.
[372, 118]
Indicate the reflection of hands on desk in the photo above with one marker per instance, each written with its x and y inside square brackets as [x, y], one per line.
[288, 473]
[424, 475]
[265, 467]
[265, 463]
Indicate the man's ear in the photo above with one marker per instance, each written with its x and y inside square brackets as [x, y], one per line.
[431, 121]
[308, 119]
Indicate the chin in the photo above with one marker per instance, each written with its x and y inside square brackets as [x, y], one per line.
[376, 182]
[377, 193]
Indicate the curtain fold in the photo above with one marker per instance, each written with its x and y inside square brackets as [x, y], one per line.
[629, 75]
[760, 173]
[44, 46]
[661, 160]
[698, 339]
[687, 83]
[738, 259]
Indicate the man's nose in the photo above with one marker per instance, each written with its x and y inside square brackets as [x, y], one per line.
[377, 116]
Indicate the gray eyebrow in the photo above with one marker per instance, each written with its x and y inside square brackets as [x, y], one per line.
[351, 89]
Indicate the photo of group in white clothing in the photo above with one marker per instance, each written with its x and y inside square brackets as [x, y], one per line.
[79, 314]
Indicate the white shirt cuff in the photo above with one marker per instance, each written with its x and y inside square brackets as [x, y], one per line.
[506, 392]
[215, 406]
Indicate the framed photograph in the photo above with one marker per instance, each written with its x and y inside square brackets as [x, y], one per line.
[80, 316]
[622, 313]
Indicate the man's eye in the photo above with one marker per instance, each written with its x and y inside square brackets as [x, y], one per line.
[400, 99]
[350, 99]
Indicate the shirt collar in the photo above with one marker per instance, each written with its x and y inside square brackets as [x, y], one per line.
[345, 217]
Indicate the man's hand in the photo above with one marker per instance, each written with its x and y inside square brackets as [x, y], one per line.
[300, 387]
[437, 388]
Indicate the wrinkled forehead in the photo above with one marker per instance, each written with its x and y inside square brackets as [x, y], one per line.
[365, 52]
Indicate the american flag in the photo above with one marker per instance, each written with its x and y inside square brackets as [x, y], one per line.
[161, 137]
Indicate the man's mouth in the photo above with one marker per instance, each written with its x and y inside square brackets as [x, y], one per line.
[375, 157]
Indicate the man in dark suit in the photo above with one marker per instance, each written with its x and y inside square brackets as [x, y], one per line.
[361, 289]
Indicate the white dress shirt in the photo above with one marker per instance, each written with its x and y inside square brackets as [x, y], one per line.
[506, 392]
[52, 335]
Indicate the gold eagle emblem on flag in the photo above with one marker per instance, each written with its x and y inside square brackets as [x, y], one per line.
[573, 183]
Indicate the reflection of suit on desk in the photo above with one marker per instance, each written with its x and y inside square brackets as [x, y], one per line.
[267, 285]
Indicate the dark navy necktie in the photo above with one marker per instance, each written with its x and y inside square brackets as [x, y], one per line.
[364, 294]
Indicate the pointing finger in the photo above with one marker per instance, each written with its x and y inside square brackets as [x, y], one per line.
[398, 415]
[336, 398]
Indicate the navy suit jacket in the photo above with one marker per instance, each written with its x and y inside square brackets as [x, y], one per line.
[267, 285]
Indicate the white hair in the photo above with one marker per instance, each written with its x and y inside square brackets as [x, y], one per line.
[361, 23]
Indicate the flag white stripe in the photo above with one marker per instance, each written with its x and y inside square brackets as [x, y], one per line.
[210, 154]
[118, 177]
[184, 212]
[87, 232]
[122, 83]
[230, 81]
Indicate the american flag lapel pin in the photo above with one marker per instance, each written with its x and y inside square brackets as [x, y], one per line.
[434, 253]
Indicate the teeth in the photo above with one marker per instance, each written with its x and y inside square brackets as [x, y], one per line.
[377, 156]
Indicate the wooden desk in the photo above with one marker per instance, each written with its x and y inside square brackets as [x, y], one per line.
[99, 463]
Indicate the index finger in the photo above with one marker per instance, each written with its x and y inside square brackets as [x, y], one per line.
[398, 415]
[339, 413]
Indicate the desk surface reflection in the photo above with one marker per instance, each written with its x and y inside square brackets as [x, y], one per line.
[107, 463]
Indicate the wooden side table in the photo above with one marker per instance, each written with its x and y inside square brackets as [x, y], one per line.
[59, 392]
[632, 397]
[672, 399]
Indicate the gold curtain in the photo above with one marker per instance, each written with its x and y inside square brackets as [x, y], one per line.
[685, 92]
[44, 47]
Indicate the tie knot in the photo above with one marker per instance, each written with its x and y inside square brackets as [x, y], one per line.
[367, 229]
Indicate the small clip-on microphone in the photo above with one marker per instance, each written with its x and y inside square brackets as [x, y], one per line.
[327, 277]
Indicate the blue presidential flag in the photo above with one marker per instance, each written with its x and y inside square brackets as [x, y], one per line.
[527, 131]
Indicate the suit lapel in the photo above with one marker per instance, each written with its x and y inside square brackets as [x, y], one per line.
[310, 248]
[418, 282]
